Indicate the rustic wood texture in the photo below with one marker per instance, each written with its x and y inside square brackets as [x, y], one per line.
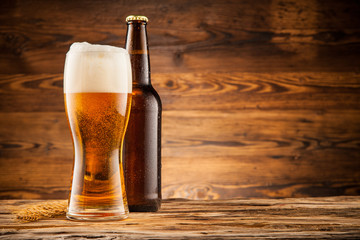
[302, 218]
[225, 135]
[261, 98]
[188, 36]
[316, 91]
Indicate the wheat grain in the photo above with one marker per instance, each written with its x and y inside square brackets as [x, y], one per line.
[36, 211]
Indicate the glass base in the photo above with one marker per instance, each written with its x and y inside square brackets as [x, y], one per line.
[96, 215]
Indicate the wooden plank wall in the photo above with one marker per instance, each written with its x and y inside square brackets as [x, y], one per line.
[261, 98]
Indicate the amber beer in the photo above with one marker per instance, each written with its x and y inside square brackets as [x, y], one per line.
[143, 137]
[97, 91]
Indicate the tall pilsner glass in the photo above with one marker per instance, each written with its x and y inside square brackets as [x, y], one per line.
[97, 92]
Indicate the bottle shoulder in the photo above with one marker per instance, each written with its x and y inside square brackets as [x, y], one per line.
[145, 96]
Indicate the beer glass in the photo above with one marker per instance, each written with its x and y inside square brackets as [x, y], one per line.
[97, 92]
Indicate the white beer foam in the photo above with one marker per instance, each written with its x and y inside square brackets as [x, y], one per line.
[97, 68]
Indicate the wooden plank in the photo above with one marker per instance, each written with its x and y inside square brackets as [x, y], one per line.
[222, 133]
[31, 93]
[238, 91]
[264, 35]
[295, 218]
[35, 134]
[206, 191]
[32, 177]
[206, 154]
[211, 157]
[204, 91]
[234, 133]
[219, 178]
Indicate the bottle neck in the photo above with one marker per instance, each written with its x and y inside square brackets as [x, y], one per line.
[137, 46]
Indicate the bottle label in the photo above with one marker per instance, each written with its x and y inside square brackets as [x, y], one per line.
[142, 51]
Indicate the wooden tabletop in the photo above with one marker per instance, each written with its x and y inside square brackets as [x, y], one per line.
[295, 218]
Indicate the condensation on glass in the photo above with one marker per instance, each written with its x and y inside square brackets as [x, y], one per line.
[143, 137]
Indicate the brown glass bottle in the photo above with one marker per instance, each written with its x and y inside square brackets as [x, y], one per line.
[142, 147]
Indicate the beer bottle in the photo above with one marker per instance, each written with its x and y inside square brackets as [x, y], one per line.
[142, 147]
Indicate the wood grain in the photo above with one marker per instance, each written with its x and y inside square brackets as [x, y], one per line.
[239, 91]
[204, 91]
[31, 93]
[296, 218]
[258, 36]
[260, 98]
[206, 154]
[251, 134]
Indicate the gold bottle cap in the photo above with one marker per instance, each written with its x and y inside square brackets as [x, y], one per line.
[136, 17]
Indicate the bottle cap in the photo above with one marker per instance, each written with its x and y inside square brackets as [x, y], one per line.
[136, 17]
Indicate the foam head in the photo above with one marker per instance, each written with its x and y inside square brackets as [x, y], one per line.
[97, 68]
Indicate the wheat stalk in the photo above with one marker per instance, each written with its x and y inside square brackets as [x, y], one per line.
[36, 211]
